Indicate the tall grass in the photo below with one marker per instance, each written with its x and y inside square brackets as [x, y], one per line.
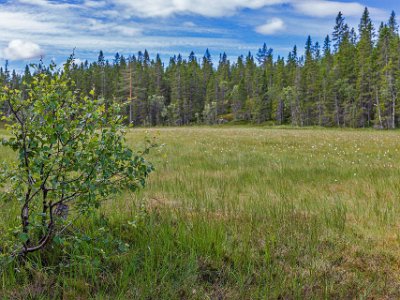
[236, 213]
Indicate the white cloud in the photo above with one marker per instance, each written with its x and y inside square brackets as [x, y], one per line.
[77, 61]
[94, 4]
[165, 8]
[130, 25]
[223, 8]
[47, 4]
[219, 8]
[100, 27]
[19, 21]
[20, 50]
[322, 8]
[126, 30]
[271, 27]
[189, 24]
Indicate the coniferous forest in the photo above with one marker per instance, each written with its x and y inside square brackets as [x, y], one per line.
[351, 80]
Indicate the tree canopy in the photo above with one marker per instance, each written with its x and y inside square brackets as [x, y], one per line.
[351, 81]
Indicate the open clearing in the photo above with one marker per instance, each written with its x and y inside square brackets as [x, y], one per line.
[238, 213]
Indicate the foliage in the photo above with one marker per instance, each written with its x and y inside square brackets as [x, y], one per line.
[71, 155]
[353, 81]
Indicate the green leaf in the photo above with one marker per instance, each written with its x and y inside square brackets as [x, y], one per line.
[23, 237]
[58, 240]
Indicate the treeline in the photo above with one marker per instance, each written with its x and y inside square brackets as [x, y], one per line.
[352, 80]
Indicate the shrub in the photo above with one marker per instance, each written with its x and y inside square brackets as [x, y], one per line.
[71, 155]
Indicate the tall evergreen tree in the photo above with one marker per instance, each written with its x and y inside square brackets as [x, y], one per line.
[364, 72]
[352, 80]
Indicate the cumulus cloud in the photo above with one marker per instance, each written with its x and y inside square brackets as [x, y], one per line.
[20, 50]
[271, 27]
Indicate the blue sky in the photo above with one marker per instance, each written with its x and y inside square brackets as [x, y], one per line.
[32, 28]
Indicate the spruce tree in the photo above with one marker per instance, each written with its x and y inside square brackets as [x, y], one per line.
[364, 72]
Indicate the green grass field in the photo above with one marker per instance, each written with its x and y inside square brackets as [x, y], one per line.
[236, 213]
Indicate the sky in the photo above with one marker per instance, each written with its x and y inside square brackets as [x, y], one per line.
[30, 29]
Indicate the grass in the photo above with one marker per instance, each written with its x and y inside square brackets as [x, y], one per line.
[236, 213]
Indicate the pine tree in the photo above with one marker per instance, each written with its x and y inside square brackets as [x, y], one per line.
[207, 73]
[387, 70]
[352, 80]
[102, 79]
[308, 85]
[263, 56]
[344, 85]
[339, 31]
[326, 74]
[364, 72]
[292, 92]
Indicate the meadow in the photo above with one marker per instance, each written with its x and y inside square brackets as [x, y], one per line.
[235, 213]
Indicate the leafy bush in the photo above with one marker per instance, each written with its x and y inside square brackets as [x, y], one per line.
[71, 155]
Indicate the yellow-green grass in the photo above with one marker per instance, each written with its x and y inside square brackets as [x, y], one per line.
[236, 213]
